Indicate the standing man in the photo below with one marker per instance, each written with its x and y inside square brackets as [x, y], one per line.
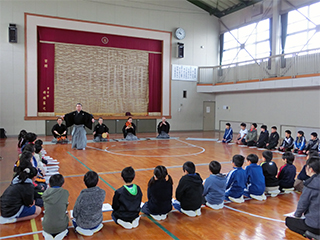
[80, 119]
[59, 132]
[163, 129]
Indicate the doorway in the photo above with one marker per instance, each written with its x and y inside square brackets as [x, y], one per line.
[209, 115]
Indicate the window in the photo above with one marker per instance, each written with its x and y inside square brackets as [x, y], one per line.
[246, 43]
[303, 30]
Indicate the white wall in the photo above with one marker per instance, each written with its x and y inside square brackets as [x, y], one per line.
[201, 30]
[299, 107]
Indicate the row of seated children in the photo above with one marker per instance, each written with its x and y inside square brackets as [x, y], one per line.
[250, 138]
[191, 193]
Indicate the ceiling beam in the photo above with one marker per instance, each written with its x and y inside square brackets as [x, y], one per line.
[219, 14]
[237, 7]
[207, 8]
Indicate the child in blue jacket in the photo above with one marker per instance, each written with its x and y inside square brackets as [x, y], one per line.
[255, 179]
[228, 134]
[236, 180]
[287, 172]
[299, 143]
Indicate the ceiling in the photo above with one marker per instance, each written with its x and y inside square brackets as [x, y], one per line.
[220, 8]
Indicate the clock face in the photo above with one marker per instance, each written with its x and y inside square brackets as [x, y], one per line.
[180, 33]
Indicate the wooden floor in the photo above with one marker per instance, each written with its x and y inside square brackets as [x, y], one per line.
[249, 220]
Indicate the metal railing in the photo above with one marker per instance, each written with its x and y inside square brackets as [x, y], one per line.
[284, 65]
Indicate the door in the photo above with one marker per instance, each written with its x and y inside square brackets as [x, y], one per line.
[208, 115]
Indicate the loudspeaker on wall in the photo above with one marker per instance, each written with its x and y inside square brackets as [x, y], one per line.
[180, 50]
[13, 33]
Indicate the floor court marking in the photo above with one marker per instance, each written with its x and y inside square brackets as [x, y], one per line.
[141, 149]
[254, 215]
[141, 169]
[158, 224]
[150, 156]
[34, 229]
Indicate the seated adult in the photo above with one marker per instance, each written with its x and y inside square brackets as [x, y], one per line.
[100, 132]
[59, 132]
[129, 130]
[163, 129]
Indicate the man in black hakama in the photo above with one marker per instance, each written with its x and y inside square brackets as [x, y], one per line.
[99, 130]
[80, 119]
[163, 129]
[59, 132]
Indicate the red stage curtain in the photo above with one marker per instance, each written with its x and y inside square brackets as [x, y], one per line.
[45, 77]
[155, 70]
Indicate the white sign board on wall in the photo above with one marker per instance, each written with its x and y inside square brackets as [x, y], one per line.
[184, 73]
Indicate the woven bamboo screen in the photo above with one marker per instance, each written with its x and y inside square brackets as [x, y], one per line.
[106, 81]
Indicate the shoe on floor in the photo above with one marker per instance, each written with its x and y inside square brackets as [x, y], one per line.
[237, 200]
[84, 232]
[198, 212]
[288, 190]
[311, 235]
[156, 217]
[61, 235]
[47, 236]
[274, 193]
[189, 213]
[164, 216]
[135, 222]
[215, 206]
[258, 197]
[4, 220]
[97, 229]
[124, 224]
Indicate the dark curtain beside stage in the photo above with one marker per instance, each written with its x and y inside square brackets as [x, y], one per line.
[155, 63]
[45, 77]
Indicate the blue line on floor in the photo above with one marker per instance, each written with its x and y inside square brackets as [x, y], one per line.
[158, 224]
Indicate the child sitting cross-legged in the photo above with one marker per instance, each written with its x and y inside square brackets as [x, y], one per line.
[159, 194]
[255, 179]
[215, 186]
[228, 134]
[309, 204]
[87, 210]
[17, 201]
[287, 172]
[189, 191]
[126, 201]
[302, 176]
[55, 201]
[236, 180]
[270, 171]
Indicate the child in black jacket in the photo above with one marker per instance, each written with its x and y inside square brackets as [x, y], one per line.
[159, 194]
[273, 139]
[126, 201]
[189, 191]
[263, 138]
[270, 171]
[17, 201]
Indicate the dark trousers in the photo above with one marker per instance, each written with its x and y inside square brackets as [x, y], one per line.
[271, 146]
[250, 143]
[261, 145]
[298, 225]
